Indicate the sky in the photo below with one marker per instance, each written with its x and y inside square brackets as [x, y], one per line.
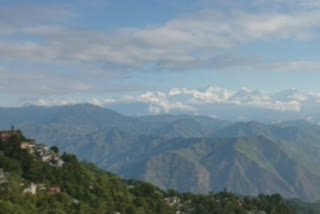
[112, 52]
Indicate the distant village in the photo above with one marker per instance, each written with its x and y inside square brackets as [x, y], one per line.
[41, 152]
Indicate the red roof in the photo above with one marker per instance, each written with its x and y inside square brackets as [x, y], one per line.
[55, 189]
[5, 135]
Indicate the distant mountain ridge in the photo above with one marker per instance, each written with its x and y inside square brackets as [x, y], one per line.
[183, 152]
[37, 179]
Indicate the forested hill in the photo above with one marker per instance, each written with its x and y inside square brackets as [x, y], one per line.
[36, 179]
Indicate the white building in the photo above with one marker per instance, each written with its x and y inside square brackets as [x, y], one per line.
[32, 189]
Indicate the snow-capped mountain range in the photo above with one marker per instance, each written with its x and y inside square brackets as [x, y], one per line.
[242, 104]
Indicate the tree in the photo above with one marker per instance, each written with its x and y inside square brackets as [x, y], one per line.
[55, 149]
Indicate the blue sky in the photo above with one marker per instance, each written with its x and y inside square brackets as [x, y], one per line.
[58, 51]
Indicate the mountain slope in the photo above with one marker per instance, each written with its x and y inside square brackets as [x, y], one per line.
[35, 179]
[247, 166]
[206, 154]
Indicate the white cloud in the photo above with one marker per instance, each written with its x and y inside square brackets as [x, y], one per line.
[211, 95]
[243, 97]
[191, 100]
[159, 103]
[184, 43]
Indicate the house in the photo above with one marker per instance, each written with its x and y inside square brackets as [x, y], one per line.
[26, 145]
[51, 158]
[32, 189]
[3, 178]
[56, 161]
[60, 163]
[46, 157]
[172, 200]
[55, 189]
[5, 135]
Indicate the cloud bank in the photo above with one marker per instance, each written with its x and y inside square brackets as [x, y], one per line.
[188, 42]
[192, 100]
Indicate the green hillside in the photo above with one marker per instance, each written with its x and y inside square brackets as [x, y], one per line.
[35, 179]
